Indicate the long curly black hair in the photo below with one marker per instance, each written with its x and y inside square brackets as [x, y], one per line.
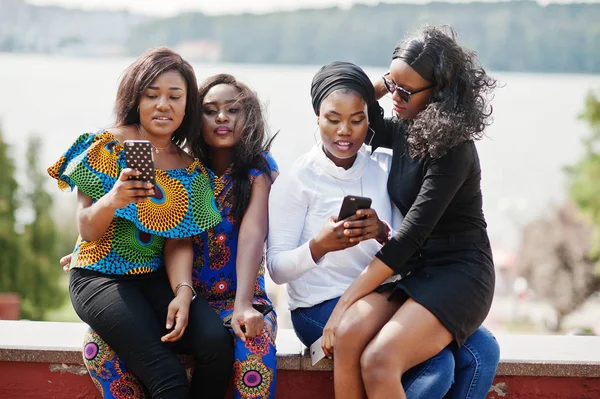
[248, 152]
[459, 108]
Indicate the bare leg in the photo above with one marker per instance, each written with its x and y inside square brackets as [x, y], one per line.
[358, 326]
[412, 336]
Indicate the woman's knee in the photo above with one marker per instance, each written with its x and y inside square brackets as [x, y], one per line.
[214, 343]
[480, 349]
[352, 333]
[431, 378]
[377, 365]
[486, 340]
[380, 361]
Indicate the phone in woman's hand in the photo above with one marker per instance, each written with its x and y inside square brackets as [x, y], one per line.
[139, 155]
[263, 308]
[351, 204]
[316, 351]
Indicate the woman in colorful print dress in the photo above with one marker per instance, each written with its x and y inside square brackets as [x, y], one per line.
[118, 284]
[233, 145]
[229, 262]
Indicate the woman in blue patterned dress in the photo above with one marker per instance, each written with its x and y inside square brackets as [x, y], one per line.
[229, 258]
[234, 148]
[118, 284]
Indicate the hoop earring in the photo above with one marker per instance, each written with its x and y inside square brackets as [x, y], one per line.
[372, 135]
[138, 109]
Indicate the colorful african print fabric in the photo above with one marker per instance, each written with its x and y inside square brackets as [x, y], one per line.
[214, 276]
[111, 376]
[183, 206]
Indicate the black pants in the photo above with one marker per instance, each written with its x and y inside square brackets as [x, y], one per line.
[130, 312]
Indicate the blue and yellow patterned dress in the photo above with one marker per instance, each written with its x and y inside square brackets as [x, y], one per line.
[183, 206]
[215, 278]
[133, 243]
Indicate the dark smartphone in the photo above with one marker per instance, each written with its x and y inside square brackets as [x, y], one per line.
[263, 308]
[139, 155]
[351, 204]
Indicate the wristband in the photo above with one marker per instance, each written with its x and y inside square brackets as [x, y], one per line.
[186, 284]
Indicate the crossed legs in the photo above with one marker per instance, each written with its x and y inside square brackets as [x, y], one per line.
[378, 340]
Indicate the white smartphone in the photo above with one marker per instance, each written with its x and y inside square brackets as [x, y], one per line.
[316, 352]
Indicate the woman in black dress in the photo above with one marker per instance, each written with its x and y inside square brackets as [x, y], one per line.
[433, 282]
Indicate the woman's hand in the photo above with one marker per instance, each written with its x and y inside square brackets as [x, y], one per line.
[247, 322]
[328, 341]
[65, 261]
[177, 315]
[331, 238]
[126, 191]
[379, 86]
[364, 227]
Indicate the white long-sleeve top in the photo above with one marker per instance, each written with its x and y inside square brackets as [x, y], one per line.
[300, 203]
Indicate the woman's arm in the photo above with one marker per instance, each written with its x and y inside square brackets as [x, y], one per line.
[372, 277]
[288, 208]
[443, 178]
[94, 218]
[375, 273]
[251, 241]
[287, 259]
[380, 89]
[179, 258]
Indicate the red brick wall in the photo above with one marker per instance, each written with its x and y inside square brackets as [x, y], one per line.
[45, 381]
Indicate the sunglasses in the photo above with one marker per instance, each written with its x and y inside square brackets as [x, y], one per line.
[403, 93]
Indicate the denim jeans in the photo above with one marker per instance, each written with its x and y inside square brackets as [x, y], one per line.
[476, 362]
[464, 373]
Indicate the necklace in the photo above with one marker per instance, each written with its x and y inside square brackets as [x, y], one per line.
[156, 149]
[337, 181]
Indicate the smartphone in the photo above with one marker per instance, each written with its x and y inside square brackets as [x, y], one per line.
[139, 155]
[316, 352]
[351, 204]
[263, 308]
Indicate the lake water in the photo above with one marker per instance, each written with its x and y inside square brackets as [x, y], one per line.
[535, 134]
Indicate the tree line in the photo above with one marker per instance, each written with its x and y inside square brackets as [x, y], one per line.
[509, 36]
[29, 252]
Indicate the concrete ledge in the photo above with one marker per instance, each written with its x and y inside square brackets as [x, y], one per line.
[43, 360]
[549, 356]
[521, 355]
[43, 342]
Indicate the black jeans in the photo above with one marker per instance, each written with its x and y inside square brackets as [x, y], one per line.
[130, 312]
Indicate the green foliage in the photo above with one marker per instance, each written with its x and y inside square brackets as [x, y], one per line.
[11, 245]
[28, 259]
[42, 238]
[585, 175]
[515, 35]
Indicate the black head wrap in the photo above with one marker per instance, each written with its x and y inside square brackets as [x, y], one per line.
[345, 75]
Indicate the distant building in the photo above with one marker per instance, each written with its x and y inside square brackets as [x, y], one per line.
[200, 50]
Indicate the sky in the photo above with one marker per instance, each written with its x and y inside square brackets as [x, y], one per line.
[172, 7]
